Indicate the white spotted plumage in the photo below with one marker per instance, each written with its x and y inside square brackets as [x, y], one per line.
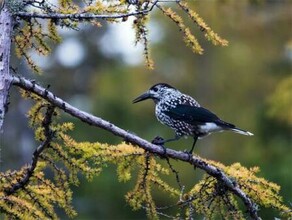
[172, 98]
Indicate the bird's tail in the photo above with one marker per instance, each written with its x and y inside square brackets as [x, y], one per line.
[232, 127]
[240, 131]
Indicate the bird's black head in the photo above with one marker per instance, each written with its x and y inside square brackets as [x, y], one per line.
[156, 92]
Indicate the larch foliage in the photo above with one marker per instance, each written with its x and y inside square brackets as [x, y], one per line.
[32, 34]
[30, 193]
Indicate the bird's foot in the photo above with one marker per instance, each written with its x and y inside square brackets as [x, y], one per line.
[189, 153]
[159, 141]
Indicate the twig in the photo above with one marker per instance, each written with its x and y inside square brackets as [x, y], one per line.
[161, 213]
[176, 173]
[134, 139]
[146, 170]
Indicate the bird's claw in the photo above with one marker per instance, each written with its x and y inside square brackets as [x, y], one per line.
[189, 153]
[159, 141]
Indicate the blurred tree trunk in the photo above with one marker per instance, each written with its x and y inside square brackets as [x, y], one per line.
[5, 43]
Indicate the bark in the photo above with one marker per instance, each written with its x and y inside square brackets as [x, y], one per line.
[5, 78]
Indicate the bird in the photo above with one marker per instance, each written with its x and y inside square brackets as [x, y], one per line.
[184, 114]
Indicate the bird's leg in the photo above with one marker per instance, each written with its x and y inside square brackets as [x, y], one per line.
[160, 141]
[190, 153]
[172, 139]
[194, 143]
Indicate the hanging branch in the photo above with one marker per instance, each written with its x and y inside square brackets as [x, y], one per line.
[221, 177]
[37, 153]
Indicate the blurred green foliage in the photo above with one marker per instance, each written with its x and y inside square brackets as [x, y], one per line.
[247, 83]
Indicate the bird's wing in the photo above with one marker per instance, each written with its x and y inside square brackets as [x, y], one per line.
[195, 115]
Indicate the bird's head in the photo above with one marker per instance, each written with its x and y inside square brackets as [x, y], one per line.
[156, 93]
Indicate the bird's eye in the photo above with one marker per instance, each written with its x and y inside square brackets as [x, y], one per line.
[155, 89]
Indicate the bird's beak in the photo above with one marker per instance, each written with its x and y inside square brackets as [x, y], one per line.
[142, 97]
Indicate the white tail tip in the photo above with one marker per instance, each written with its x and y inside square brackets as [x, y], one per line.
[239, 131]
[249, 133]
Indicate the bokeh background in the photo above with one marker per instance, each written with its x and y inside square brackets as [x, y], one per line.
[101, 71]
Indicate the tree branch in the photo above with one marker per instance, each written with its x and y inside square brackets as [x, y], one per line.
[5, 43]
[134, 139]
[84, 16]
[77, 16]
[37, 153]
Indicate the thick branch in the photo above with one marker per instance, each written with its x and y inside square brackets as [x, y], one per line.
[36, 155]
[5, 43]
[178, 155]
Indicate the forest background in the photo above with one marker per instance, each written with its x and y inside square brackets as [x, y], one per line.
[100, 71]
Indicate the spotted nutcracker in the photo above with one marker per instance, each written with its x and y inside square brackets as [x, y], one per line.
[184, 114]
